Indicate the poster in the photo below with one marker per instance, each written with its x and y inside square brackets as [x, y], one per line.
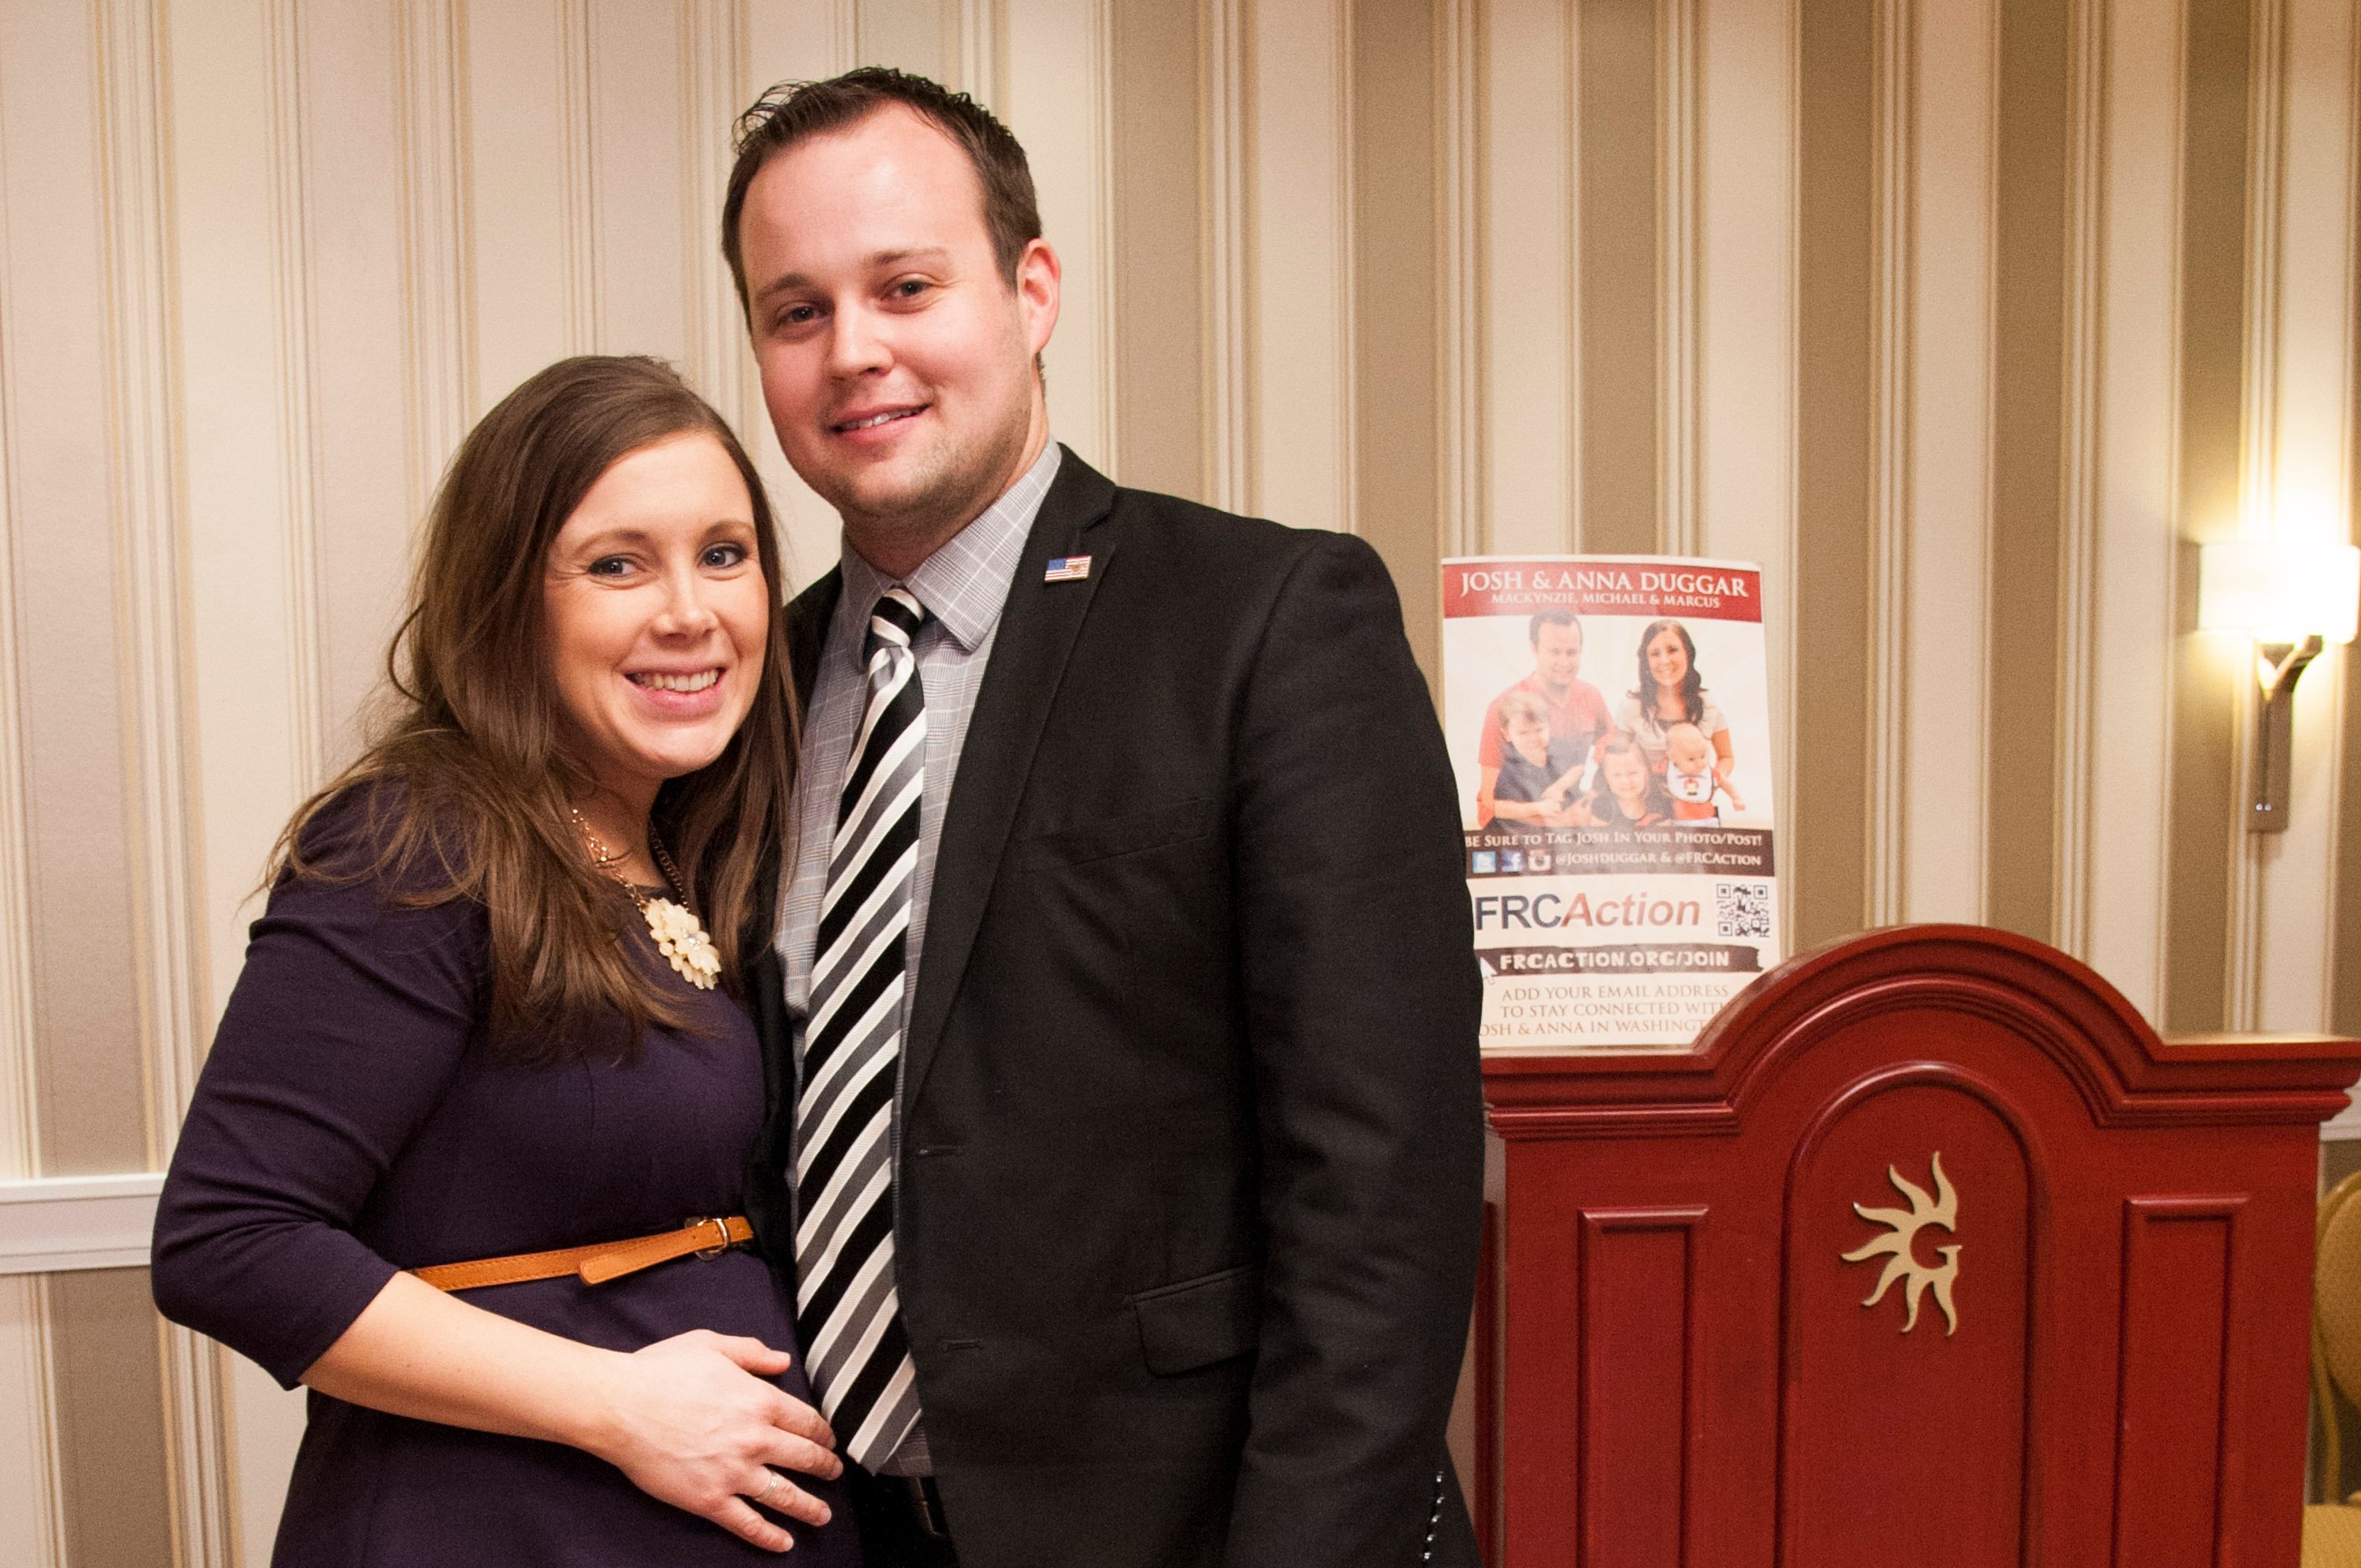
[1609, 720]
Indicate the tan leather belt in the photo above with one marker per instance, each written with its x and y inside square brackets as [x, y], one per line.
[595, 1265]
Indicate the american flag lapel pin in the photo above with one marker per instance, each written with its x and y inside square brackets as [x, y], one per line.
[1067, 569]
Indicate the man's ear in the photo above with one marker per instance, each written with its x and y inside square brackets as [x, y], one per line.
[1038, 278]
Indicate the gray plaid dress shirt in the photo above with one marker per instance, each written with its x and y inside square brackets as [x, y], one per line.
[963, 587]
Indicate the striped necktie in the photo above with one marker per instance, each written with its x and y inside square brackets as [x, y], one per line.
[847, 1309]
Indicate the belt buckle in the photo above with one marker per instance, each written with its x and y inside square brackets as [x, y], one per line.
[721, 1228]
[927, 1503]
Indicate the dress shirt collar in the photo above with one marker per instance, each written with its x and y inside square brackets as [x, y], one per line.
[964, 583]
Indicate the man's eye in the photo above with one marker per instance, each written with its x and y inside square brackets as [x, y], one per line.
[909, 288]
[798, 315]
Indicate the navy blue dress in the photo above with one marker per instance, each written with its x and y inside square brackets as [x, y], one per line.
[349, 1122]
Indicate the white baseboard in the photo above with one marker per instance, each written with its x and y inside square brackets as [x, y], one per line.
[59, 1222]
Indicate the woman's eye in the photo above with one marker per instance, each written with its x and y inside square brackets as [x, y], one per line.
[721, 557]
[609, 566]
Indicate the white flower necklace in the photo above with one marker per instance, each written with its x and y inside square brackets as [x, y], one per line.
[679, 936]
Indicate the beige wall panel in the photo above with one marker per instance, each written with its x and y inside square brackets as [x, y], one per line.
[2027, 477]
[2344, 979]
[1529, 429]
[109, 1383]
[2208, 827]
[2298, 894]
[266, 1423]
[1157, 247]
[527, 199]
[1746, 351]
[640, 164]
[1300, 352]
[714, 91]
[910, 34]
[1054, 96]
[1395, 181]
[791, 40]
[1948, 539]
[1618, 236]
[2120, 846]
[252, 658]
[361, 447]
[1829, 866]
[439, 305]
[71, 677]
[32, 1515]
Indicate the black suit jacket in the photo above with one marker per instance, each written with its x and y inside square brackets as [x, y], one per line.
[1191, 1129]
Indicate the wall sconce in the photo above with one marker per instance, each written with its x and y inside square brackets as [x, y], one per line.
[2293, 598]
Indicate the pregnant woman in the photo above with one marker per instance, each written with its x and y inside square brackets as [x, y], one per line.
[468, 1156]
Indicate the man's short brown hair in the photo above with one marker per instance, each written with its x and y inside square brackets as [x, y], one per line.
[794, 112]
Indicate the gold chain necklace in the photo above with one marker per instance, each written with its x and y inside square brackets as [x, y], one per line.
[679, 936]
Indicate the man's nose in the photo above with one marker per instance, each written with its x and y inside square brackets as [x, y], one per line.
[858, 346]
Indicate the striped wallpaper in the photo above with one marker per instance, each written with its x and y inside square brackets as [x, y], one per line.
[1967, 318]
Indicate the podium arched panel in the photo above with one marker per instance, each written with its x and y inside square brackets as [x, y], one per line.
[1930, 1253]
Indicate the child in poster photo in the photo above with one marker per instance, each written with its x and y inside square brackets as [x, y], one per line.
[1626, 794]
[1694, 776]
[1539, 774]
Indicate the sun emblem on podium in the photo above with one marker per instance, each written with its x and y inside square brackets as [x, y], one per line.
[1902, 1263]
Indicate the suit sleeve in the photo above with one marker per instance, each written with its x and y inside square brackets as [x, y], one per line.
[1363, 1002]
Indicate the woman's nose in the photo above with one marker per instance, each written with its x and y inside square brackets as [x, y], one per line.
[686, 609]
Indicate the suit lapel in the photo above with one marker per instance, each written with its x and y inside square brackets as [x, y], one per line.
[807, 619]
[1035, 634]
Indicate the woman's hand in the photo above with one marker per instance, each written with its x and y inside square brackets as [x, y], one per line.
[691, 1420]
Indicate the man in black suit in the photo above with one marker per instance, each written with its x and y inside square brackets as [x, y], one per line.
[1126, 1138]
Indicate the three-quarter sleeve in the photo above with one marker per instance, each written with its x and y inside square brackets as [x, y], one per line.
[346, 1027]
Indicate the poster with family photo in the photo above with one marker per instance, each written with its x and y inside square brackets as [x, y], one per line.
[1609, 720]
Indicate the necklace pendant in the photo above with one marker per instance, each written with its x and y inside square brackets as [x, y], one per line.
[681, 937]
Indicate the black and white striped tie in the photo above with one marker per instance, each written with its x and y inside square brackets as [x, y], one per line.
[847, 1308]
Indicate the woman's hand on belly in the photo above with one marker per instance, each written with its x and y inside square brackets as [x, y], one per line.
[691, 1420]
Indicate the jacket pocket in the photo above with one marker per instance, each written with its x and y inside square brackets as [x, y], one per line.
[1200, 1322]
[1126, 835]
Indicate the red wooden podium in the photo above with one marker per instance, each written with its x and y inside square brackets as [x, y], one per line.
[1931, 1255]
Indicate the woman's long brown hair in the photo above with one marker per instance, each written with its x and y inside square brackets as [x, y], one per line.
[463, 788]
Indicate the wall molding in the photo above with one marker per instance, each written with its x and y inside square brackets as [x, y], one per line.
[977, 49]
[438, 275]
[1463, 520]
[2080, 464]
[577, 91]
[148, 506]
[56, 1223]
[2258, 446]
[1347, 369]
[1225, 99]
[291, 284]
[19, 1130]
[1893, 334]
[33, 1517]
[713, 73]
[1679, 433]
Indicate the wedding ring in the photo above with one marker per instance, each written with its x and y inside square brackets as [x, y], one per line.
[769, 1485]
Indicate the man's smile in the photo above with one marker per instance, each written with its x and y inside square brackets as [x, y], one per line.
[875, 419]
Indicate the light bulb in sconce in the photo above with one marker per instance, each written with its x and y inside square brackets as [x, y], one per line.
[2293, 598]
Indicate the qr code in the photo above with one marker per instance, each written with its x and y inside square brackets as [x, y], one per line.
[1742, 909]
